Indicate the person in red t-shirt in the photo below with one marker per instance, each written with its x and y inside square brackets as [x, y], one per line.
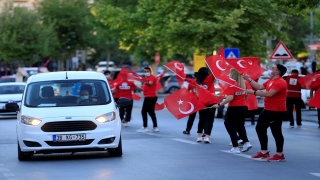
[206, 116]
[236, 113]
[149, 89]
[108, 76]
[192, 117]
[312, 91]
[294, 97]
[124, 89]
[274, 111]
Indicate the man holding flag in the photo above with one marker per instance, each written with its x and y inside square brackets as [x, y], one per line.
[274, 111]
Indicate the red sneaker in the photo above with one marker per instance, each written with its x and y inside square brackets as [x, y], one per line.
[277, 157]
[261, 156]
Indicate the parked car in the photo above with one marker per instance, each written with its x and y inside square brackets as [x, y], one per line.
[102, 66]
[50, 124]
[6, 79]
[171, 85]
[10, 92]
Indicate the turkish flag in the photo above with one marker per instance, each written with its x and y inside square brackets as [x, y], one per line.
[252, 101]
[247, 65]
[315, 100]
[159, 107]
[218, 66]
[127, 73]
[205, 96]
[135, 97]
[159, 86]
[182, 103]
[310, 81]
[177, 68]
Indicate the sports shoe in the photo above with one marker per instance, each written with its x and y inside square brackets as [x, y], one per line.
[186, 133]
[277, 157]
[126, 124]
[206, 140]
[199, 139]
[291, 126]
[143, 129]
[235, 151]
[246, 147]
[155, 129]
[261, 156]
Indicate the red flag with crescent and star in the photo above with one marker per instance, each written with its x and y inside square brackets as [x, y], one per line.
[159, 86]
[130, 75]
[310, 81]
[218, 66]
[247, 65]
[159, 107]
[182, 103]
[315, 100]
[177, 68]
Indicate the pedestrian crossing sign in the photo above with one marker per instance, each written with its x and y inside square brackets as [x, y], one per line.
[231, 53]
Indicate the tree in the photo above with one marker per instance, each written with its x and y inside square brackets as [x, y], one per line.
[23, 36]
[297, 5]
[184, 26]
[73, 24]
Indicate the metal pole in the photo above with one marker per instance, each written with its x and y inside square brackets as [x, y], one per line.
[311, 35]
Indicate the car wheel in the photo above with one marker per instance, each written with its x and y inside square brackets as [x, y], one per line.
[173, 89]
[116, 152]
[22, 156]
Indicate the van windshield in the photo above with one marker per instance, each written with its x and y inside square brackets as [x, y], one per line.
[63, 93]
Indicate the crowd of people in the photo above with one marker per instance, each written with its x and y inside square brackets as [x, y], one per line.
[280, 96]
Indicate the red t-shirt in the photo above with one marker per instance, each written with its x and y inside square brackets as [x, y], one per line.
[294, 87]
[278, 101]
[208, 83]
[150, 91]
[110, 81]
[124, 89]
[239, 98]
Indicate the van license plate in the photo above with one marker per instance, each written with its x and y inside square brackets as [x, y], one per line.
[69, 137]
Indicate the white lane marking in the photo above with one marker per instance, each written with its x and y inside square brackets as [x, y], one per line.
[315, 174]
[4, 170]
[8, 174]
[185, 141]
[242, 155]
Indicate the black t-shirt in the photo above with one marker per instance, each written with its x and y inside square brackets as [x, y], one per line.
[304, 70]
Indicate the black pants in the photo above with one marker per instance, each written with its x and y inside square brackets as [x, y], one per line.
[148, 108]
[252, 115]
[125, 112]
[318, 116]
[274, 120]
[191, 119]
[206, 119]
[296, 102]
[234, 123]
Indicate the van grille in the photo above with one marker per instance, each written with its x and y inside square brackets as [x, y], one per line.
[70, 143]
[67, 126]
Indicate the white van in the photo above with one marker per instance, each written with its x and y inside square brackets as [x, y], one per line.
[102, 66]
[82, 117]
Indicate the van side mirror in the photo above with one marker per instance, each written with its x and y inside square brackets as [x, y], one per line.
[12, 106]
[123, 102]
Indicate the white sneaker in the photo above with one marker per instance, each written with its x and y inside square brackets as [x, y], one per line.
[155, 130]
[246, 147]
[126, 124]
[199, 139]
[206, 140]
[143, 130]
[235, 151]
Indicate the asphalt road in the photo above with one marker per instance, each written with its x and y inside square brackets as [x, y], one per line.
[168, 155]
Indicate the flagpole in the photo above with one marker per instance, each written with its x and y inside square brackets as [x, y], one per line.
[173, 72]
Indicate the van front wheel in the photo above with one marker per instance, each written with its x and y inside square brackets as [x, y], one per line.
[116, 152]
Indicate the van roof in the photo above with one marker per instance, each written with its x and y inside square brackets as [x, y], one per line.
[61, 75]
[105, 62]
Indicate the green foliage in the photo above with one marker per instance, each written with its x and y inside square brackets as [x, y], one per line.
[23, 36]
[297, 5]
[73, 24]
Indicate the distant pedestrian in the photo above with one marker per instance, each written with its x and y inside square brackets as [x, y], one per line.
[150, 99]
[273, 113]
[294, 97]
[304, 69]
[314, 66]
[236, 114]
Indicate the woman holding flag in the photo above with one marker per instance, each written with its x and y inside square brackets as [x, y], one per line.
[206, 116]
[236, 112]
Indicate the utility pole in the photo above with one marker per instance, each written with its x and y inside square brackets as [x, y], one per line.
[311, 53]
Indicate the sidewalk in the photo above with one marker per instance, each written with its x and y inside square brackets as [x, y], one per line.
[309, 115]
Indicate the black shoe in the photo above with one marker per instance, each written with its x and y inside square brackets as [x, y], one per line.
[186, 133]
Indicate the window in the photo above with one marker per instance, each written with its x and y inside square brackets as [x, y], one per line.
[12, 89]
[62, 93]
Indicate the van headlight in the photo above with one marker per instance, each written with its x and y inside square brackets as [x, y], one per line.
[30, 120]
[106, 117]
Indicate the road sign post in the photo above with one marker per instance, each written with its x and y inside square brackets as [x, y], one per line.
[157, 58]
